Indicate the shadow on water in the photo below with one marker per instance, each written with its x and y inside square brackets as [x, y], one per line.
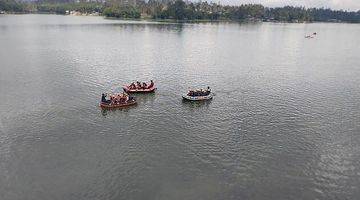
[196, 104]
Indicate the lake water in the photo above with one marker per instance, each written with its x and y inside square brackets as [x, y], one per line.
[284, 124]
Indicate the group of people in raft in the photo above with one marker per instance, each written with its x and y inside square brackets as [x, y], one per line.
[122, 98]
[116, 98]
[139, 85]
[201, 92]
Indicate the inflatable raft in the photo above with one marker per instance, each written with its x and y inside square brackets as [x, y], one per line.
[139, 90]
[198, 98]
[118, 105]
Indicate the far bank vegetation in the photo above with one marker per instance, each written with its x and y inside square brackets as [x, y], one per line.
[179, 10]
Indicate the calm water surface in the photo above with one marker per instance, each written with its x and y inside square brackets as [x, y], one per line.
[284, 124]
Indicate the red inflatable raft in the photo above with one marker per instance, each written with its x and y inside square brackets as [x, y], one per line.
[118, 105]
[140, 87]
[139, 90]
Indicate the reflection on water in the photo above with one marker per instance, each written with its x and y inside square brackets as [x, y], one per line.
[284, 122]
[196, 104]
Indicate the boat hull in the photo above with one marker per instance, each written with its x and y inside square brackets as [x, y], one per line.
[119, 105]
[198, 98]
[148, 90]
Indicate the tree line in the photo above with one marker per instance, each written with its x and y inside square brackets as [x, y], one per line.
[180, 10]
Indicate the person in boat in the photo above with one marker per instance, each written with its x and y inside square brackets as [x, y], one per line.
[126, 96]
[208, 91]
[144, 85]
[115, 99]
[191, 93]
[104, 100]
[138, 85]
[123, 97]
[196, 93]
[151, 84]
[132, 85]
[201, 92]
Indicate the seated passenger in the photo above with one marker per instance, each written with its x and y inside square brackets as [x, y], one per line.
[202, 92]
[138, 85]
[151, 84]
[114, 100]
[126, 95]
[132, 86]
[208, 91]
[191, 93]
[144, 85]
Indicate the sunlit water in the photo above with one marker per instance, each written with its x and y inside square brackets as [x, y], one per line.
[284, 124]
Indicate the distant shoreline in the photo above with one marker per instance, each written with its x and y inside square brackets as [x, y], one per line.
[174, 20]
[182, 11]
